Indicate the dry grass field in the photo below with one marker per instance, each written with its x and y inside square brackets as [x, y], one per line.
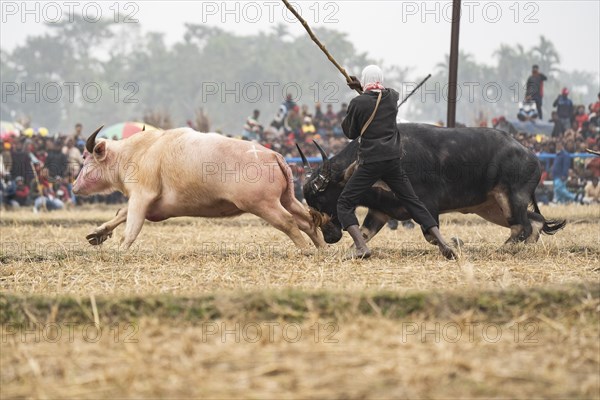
[229, 309]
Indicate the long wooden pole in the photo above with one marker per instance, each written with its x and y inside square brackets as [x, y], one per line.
[316, 40]
[414, 90]
[453, 73]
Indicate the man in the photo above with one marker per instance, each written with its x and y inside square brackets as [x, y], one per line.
[21, 162]
[9, 191]
[560, 172]
[56, 161]
[74, 157]
[585, 131]
[580, 116]
[592, 192]
[535, 88]
[22, 192]
[252, 129]
[330, 115]
[596, 106]
[78, 131]
[557, 129]
[564, 108]
[289, 103]
[47, 199]
[527, 111]
[378, 158]
[78, 136]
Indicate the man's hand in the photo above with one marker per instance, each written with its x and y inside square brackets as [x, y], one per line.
[354, 84]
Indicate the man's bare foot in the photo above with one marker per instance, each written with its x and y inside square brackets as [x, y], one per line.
[357, 254]
[448, 251]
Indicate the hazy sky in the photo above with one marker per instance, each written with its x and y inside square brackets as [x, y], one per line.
[406, 33]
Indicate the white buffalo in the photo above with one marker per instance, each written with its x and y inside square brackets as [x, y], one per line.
[181, 172]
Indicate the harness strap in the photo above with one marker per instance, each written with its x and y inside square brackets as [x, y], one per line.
[366, 125]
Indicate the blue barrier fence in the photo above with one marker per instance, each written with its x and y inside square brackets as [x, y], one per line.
[545, 158]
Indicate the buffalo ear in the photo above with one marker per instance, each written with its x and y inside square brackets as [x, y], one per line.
[100, 151]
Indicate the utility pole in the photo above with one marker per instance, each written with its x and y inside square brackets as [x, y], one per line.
[453, 73]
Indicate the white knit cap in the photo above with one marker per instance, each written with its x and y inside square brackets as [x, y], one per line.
[372, 74]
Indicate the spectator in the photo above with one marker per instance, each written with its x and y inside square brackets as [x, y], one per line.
[575, 185]
[6, 158]
[47, 199]
[502, 124]
[308, 128]
[78, 138]
[580, 116]
[62, 191]
[592, 192]
[542, 193]
[330, 115]
[74, 157]
[564, 109]
[560, 172]
[585, 131]
[21, 162]
[535, 88]
[78, 135]
[558, 129]
[527, 111]
[56, 161]
[289, 103]
[318, 114]
[280, 122]
[295, 121]
[252, 129]
[596, 106]
[22, 192]
[305, 112]
[9, 191]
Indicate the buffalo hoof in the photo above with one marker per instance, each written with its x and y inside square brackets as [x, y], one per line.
[98, 237]
[393, 224]
[457, 242]
[408, 224]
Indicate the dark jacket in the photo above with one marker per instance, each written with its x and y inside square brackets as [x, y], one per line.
[535, 86]
[564, 107]
[56, 162]
[21, 166]
[562, 163]
[381, 140]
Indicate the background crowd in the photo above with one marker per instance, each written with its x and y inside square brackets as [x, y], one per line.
[38, 169]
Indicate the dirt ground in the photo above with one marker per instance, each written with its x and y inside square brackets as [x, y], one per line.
[89, 322]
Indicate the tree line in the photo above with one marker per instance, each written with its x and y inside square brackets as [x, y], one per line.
[82, 72]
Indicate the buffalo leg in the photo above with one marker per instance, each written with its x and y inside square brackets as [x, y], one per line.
[136, 215]
[515, 212]
[104, 231]
[305, 222]
[280, 218]
[374, 221]
[537, 223]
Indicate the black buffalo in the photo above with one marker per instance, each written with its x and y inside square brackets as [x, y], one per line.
[467, 170]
